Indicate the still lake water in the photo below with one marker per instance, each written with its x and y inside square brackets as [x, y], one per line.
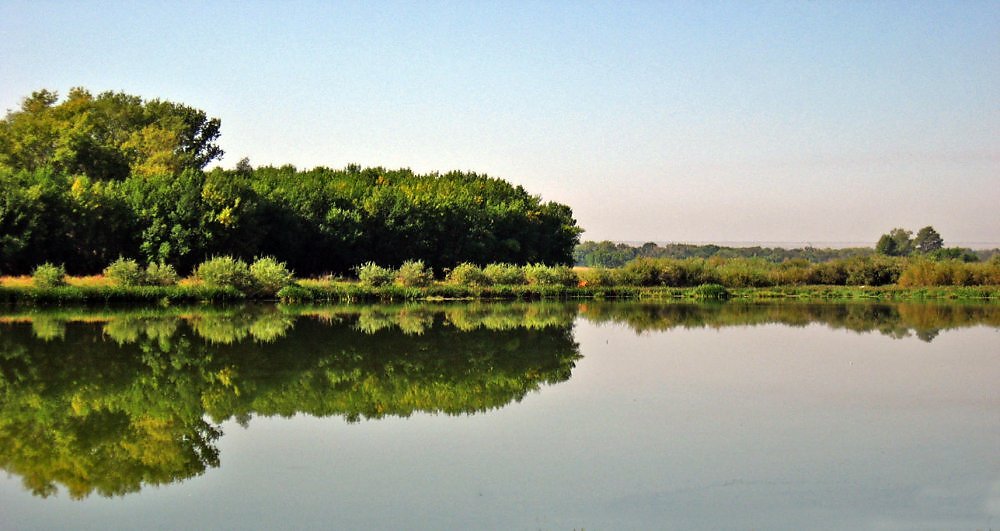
[593, 415]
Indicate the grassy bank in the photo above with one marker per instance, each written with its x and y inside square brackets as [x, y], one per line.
[98, 290]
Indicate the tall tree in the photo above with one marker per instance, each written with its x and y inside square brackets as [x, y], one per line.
[106, 137]
[928, 240]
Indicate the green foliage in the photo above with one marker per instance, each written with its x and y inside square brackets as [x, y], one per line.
[48, 275]
[710, 291]
[954, 253]
[161, 274]
[887, 246]
[504, 274]
[91, 178]
[466, 274]
[225, 272]
[745, 273]
[927, 240]
[641, 272]
[317, 221]
[414, 274]
[924, 272]
[372, 274]
[873, 271]
[125, 272]
[108, 136]
[270, 275]
[597, 277]
[543, 275]
[610, 254]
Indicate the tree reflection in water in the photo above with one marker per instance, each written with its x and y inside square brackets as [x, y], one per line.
[110, 401]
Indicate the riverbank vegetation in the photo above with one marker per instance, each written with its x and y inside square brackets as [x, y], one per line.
[226, 278]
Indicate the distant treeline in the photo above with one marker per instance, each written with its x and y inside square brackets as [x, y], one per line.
[611, 254]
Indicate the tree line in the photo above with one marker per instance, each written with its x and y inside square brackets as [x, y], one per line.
[611, 254]
[927, 243]
[90, 179]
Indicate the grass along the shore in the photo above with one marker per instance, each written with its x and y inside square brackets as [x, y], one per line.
[97, 289]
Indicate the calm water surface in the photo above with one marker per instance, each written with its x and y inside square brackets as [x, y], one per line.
[502, 416]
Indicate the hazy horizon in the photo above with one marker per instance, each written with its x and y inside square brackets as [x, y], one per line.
[695, 122]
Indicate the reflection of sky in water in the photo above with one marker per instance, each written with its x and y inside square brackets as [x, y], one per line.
[741, 427]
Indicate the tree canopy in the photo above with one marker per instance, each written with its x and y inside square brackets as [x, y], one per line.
[108, 136]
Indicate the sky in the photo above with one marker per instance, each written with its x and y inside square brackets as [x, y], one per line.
[689, 121]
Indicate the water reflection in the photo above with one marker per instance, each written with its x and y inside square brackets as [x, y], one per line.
[109, 401]
[897, 320]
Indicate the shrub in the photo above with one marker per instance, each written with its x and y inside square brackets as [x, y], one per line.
[710, 291]
[744, 273]
[641, 272]
[125, 272]
[696, 271]
[504, 274]
[48, 275]
[372, 274]
[829, 273]
[873, 271]
[270, 275]
[543, 275]
[161, 274]
[467, 274]
[597, 277]
[225, 271]
[414, 274]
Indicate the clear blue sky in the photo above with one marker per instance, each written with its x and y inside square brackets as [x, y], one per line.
[666, 121]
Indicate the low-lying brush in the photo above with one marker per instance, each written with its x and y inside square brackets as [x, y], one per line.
[49, 276]
[225, 272]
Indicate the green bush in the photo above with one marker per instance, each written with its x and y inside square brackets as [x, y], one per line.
[225, 271]
[832, 273]
[48, 275]
[597, 277]
[466, 274]
[504, 274]
[710, 291]
[161, 274]
[414, 274]
[372, 274]
[125, 272]
[641, 272]
[543, 275]
[873, 271]
[270, 275]
[745, 273]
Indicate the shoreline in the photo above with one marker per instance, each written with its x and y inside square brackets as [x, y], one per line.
[347, 292]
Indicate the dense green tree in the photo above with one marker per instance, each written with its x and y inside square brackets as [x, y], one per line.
[898, 242]
[887, 246]
[89, 179]
[927, 240]
[109, 136]
[318, 221]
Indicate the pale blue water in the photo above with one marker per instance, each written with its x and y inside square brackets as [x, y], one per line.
[722, 426]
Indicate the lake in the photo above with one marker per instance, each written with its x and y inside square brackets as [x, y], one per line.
[580, 415]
